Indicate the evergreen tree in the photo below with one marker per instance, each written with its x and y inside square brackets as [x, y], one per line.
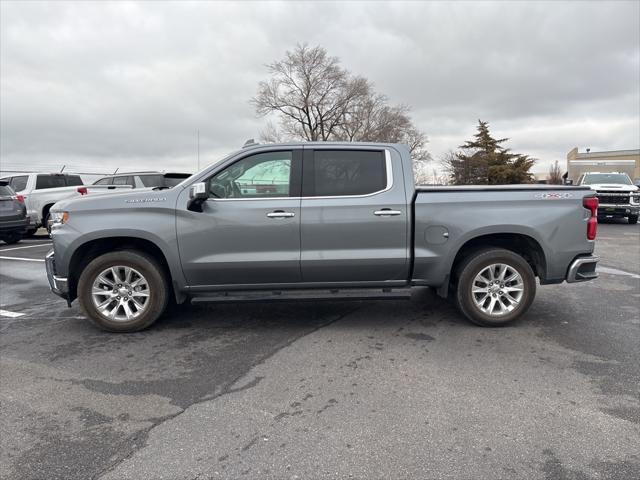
[484, 160]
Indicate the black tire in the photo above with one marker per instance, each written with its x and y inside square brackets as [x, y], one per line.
[476, 263]
[12, 238]
[45, 222]
[633, 219]
[29, 233]
[156, 279]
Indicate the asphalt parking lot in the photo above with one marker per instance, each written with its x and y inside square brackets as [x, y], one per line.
[385, 389]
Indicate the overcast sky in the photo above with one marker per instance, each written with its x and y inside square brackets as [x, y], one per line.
[103, 85]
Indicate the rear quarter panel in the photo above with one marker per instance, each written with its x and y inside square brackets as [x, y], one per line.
[553, 218]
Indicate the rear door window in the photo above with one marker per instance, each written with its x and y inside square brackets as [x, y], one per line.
[19, 183]
[344, 173]
[124, 180]
[104, 181]
[50, 181]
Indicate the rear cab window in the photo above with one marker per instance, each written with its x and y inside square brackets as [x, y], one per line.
[152, 180]
[74, 180]
[50, 181]
[173, 179]
[334, 173]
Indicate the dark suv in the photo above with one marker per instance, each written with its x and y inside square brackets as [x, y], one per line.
[13, 215]
[144, 179]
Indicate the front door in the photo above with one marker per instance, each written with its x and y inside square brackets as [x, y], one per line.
[249, 229]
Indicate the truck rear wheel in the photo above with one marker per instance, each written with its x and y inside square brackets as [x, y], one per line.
[495, 286]
[123, 291]
[633, 219]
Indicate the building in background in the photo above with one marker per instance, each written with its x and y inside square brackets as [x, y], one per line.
[626, 161]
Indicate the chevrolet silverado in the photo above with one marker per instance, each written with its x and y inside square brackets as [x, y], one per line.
[316, 221]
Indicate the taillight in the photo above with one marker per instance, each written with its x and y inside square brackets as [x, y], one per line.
[591, 204]
[19, 198]
[82, 190]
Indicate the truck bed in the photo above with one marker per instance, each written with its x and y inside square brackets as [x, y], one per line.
[551, 218]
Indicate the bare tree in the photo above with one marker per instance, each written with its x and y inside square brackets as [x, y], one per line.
[555, 174]
[316, 99]
[311, 93]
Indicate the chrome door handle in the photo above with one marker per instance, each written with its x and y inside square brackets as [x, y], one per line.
[387, 212]
[281, 214]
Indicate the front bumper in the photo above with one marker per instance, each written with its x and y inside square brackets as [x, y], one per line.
[616, 210]
[58, 285]
[583, 269]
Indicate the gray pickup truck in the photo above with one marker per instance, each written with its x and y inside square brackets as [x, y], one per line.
[315, 221]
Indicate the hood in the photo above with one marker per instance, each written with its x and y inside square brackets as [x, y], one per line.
[614, 186]
[125, 199]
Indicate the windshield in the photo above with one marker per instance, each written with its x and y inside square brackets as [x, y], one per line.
[187, 180]
[595, 178]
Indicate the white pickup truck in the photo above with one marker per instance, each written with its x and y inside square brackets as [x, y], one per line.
[618, 196]
[42, 190]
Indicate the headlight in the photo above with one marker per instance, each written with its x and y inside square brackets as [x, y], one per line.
[635, 198]
[59, 218]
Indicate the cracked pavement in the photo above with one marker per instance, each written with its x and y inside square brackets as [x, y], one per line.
[384, 389]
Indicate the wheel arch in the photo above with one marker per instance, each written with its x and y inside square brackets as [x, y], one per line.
[520, 243]
[91, 249]
[524, 245]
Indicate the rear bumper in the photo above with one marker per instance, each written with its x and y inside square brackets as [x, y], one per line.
[583, 269]
[58, 285]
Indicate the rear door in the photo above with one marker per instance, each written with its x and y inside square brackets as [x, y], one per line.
[354, 216]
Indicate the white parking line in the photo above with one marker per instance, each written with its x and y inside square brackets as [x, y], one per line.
[26, 246]
[7, 313]
[615, 271]
[23, 259]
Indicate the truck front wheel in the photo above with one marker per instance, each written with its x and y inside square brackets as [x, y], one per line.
[495, 286]
[633, 219]
[123, 291]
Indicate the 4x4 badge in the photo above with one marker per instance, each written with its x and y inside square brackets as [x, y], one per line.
[553, 195]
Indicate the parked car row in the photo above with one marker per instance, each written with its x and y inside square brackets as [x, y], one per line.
[36, 193]
[13, 214]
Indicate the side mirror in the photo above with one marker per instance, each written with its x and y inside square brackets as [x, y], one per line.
[197, 194]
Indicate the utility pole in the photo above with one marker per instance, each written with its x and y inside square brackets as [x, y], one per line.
[198, 150]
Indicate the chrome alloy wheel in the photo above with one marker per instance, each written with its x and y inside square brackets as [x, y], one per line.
[497, 289]
[120, 293]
